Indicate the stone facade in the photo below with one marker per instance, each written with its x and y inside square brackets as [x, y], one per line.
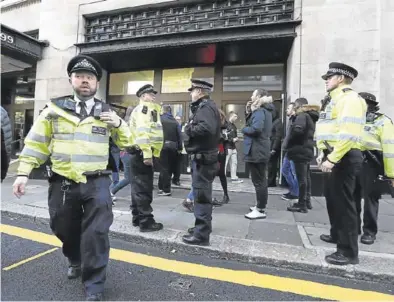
[357, 32]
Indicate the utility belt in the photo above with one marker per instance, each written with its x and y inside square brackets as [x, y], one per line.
[375, 158]
[54, 177]
[205, 158]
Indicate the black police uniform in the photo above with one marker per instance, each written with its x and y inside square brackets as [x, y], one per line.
[203, 132]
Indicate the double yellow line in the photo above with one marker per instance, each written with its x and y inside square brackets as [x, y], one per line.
[246, 278]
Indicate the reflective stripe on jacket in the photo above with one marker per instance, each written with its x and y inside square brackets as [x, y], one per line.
[341, 123]
[379, 136]
[146, 129]
[74, 146]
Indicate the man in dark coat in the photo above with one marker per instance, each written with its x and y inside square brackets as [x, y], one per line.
[276, 141]
[6, 140]
[257, 147]
[300, 150]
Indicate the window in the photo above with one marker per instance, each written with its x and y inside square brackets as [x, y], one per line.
[127, 83]
[178, 80]
[252, 77]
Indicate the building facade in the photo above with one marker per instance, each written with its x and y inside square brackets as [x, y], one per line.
[283, 46]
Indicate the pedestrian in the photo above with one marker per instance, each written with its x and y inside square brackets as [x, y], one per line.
[176, 179]
[288, 168]
[338, 135]
[147, 140]
[276, 142]
[73, 132]
[171, 148]
[300, 150]
[232, 153]
[125, 158]
[378, 149]
[203, 134]
[6, 140]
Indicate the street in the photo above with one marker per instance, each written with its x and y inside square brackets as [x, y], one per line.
[33, 268]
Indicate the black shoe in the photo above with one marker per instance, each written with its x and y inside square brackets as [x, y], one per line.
[339, 259]
[136, 221]
[216, 203]
[309, 205]
[151, 227]
[74, 271]
[190, 239]
[327, 238]
[94, 297]
[191, 230]
[225, 199]
[297, 207]
[368, 239]
[176, 183]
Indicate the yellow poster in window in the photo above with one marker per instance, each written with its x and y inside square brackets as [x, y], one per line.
[176, 80]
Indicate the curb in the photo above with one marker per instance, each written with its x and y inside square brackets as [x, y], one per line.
[371, 268]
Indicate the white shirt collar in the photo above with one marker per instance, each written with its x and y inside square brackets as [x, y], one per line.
[89, 104]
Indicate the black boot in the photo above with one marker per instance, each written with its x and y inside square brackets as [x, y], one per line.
[368, 239]
[190, 239]
[327, 238]
[298, 207]
[309, 204]
[339, 259]
[74, 270]
[151, 227]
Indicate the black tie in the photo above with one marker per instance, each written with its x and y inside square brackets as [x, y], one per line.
[83, 109]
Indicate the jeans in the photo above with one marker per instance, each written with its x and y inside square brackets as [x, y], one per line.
[127, 174]
[190, 196]
[288, 171]
[115, 175]
[259, 175]
[232, 156]
[304, 182]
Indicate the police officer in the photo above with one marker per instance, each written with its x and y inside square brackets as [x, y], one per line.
[378, 149]
[147, 139]
[338, 133]
[203, 133]
[73, 132]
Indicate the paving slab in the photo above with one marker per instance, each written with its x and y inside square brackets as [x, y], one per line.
[274, 232]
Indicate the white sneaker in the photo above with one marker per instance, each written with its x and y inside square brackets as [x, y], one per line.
[237, 181]
[256, 214]
[113, 197]
[255, 208]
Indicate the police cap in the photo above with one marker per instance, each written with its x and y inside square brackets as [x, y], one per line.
[340, 69]
[200, 84]
[369, 97]
[148, 88]
[84, 63]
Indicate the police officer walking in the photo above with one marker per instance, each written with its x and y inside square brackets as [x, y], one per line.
[147, 140]
[73, 132]
[203, 133]
[378, 149]
[338, 133]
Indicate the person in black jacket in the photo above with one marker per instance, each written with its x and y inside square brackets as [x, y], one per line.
[202, 135]
[300, 150]
[232, 154]
[276, 141]
[6, 140]
[169, 154]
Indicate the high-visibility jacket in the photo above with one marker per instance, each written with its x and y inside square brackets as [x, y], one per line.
[341, 123]
[146, 129]
[74, 146]
[379, 135]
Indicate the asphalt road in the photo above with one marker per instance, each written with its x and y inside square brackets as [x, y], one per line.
[45, 278]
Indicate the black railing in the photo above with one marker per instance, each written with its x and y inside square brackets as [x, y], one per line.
[206, 15]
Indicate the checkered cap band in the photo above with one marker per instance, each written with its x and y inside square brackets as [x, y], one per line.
[342, 71]
[202, 86]
[84, 64]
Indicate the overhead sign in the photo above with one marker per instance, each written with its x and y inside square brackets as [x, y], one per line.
[7, 38]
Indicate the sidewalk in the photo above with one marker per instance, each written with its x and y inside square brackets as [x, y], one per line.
[284, 239]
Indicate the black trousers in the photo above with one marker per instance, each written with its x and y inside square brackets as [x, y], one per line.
[221, 172]
[81, 217]
[258, 173]
[341, 205]
[168, 167]
[202, 178]
[273, 168]
[141, 190]
[178, 167]
[303, 173]
[368, 187]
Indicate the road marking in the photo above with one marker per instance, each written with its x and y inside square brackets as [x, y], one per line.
[247, 278]
[30, 259]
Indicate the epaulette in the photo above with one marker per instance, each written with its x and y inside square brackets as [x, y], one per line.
[64, 102]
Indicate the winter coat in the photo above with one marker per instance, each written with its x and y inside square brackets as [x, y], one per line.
[257, 132]
[232, 133]
[301, 144]
[276, 134]
[6, 141]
